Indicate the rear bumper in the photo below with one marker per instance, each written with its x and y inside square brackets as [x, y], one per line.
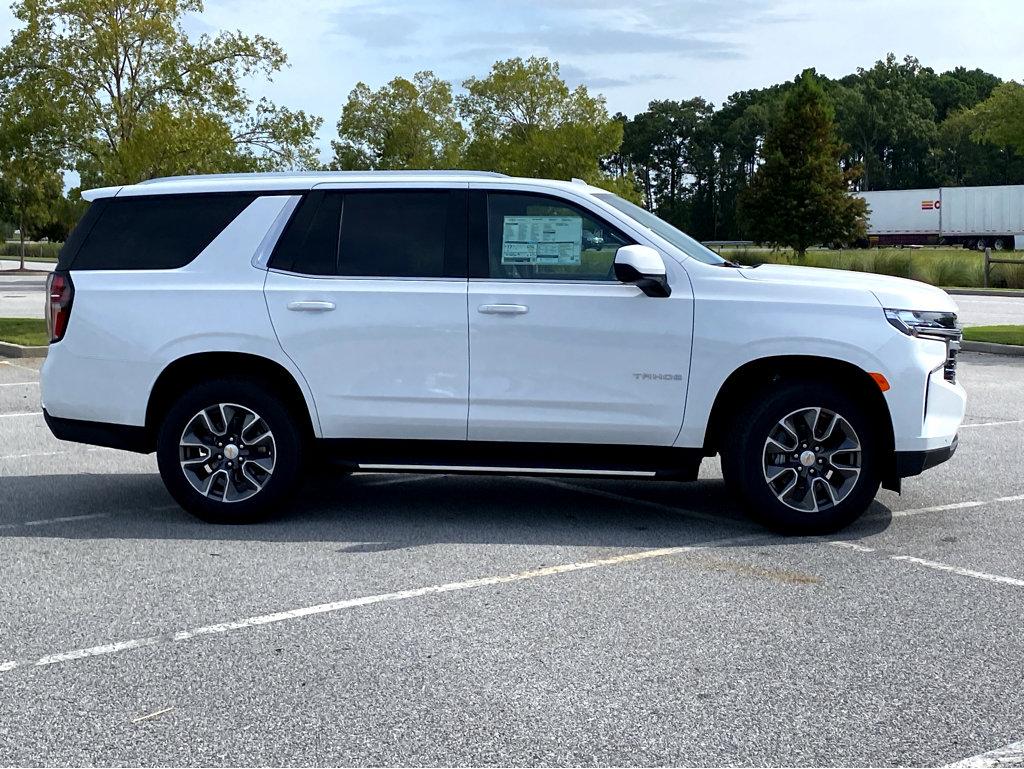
[125, 437]
[910, 463]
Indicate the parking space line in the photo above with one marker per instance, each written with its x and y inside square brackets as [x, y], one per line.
[18, 384]
[336, 606]
[54, 453]
[1009, 755]
[23, 414]
[959, 570]
[937, 565]
[84, 517]
[47, 521]
[942, 508]
[993, 424]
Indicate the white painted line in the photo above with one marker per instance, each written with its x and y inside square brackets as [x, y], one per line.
[961, 571]
[65, 519]
[993, 424]
[1010, 755]
[23, 414]
[943, 508]
[18, 384]
[48, 521]
[85, 517]
[940, 508]
[336, 606]
[55, 453]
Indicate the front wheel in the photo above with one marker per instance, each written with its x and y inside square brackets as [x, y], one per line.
[804, 460]
[229, 451]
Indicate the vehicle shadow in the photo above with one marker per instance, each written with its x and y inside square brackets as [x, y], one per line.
[368, 513]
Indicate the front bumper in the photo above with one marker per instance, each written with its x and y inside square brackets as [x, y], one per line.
[910, 463]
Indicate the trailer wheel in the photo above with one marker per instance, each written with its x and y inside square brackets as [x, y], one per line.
[982, 244]
[1000, 244]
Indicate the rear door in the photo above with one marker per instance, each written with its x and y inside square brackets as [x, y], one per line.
[367, 293]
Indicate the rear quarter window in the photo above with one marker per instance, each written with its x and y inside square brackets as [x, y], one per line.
[161, 232]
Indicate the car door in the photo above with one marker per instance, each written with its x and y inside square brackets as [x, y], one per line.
[560, 351]
[367, 292]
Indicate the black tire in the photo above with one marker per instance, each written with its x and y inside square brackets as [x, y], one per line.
[747, 448]
[281, 452]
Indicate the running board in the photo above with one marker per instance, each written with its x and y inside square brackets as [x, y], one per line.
[488, 470]
[509, 458]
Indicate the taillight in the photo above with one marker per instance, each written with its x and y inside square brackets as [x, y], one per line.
[60, 291]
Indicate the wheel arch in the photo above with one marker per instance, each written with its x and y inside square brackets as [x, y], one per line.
[742, 384]
[190, 369]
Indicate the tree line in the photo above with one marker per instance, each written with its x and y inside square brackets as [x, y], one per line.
[117, 91]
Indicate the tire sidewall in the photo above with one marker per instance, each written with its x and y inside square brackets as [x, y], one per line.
[288, 448]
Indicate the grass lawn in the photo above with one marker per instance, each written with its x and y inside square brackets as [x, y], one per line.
[26, 331]
[997, 334]
[945, 267]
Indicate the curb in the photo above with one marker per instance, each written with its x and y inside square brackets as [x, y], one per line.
[11, 350]
[1014, 350]
[1016, 294]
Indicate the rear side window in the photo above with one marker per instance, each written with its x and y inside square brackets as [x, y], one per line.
[161, 232]
[382, 234]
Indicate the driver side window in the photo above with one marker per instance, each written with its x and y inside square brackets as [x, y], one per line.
[535, 237]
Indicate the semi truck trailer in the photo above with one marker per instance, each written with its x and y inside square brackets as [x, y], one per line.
[975, 217]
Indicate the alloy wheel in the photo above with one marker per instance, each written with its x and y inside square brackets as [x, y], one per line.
[227, 452]
[812, 459]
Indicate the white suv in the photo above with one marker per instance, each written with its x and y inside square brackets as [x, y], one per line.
[242, 326]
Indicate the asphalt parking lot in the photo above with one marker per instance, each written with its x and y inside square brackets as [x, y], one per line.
[466, 620]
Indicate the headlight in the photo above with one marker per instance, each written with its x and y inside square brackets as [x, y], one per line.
[929, 325]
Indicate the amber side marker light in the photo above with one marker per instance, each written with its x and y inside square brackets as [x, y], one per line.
[880, 380]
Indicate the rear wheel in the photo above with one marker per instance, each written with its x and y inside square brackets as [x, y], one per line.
[804, 460]
[229, 451]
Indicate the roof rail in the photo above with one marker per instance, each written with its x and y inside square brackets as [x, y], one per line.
[265, 174]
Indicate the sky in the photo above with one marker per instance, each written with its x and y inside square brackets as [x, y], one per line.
[631, 51]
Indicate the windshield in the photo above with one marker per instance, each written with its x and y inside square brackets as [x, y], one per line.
[660, 227]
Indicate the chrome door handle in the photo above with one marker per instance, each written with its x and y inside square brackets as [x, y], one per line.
[311, 306]
[503, 309]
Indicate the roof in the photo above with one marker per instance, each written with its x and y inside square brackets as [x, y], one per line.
[277, 182]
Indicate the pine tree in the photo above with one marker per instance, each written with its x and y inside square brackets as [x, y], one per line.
[799, 197]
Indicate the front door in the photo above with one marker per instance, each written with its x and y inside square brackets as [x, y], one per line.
[367, 294]
[560, 351]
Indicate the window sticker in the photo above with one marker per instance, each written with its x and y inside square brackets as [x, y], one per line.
[541, 240]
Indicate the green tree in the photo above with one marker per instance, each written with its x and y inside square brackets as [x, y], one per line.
[405, 124]
[140, 99]
[799, 197]
[1000, 118]
[886, 117]
[524, 120]
[31, 144]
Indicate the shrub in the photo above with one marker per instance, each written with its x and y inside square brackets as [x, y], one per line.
[951, 271]
[12, 250]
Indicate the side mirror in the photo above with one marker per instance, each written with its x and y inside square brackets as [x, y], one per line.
[643, 267]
